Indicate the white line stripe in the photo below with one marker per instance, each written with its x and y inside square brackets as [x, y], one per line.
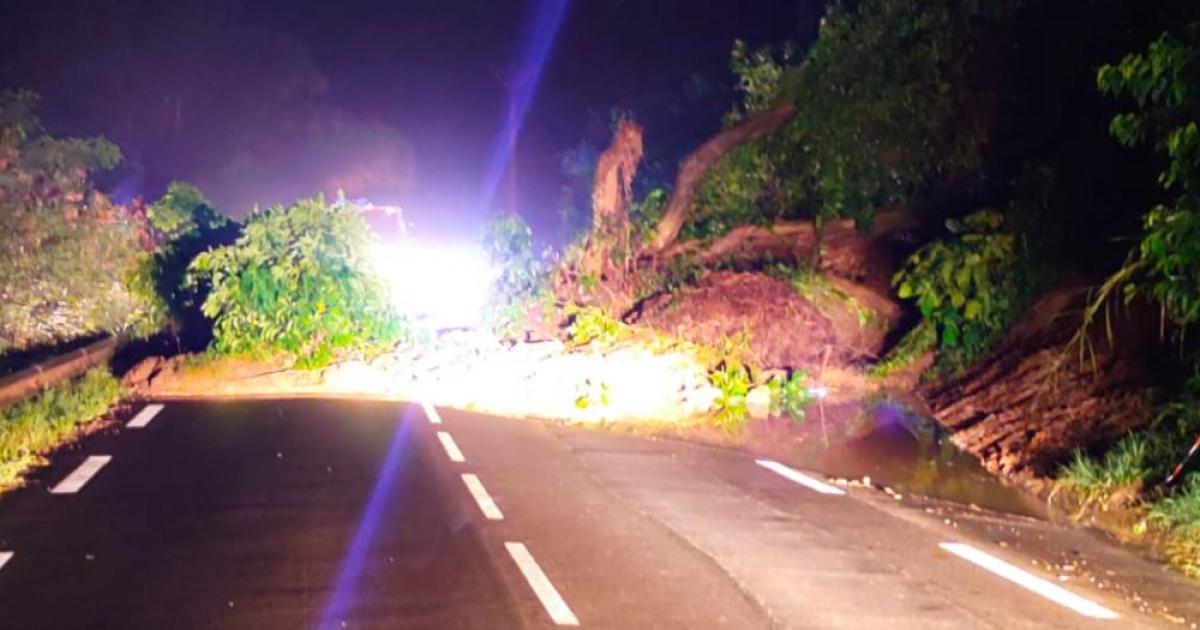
[431, 413]
[81, 475]
[799, 477]
[5, 556]
[451, 448]
[486, 504]
[144, 416]
[560, 613]
[1045, 588]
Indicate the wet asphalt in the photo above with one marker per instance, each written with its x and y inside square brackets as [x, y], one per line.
[332, 514]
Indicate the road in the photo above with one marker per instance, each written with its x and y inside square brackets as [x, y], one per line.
[355, 514]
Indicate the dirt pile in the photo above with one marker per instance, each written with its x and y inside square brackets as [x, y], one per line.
[1029, 405]
[783, 329]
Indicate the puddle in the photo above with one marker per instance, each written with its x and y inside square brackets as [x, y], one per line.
[894, 446]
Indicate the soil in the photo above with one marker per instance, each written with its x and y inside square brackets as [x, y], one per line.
[1025, 409]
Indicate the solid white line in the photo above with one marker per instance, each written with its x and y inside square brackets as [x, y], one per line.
[144, 416]
[5, 556]
[486, 504]
[431, 413]
[1045, 588]
[81, 475]
[560, 613]
[451, 448]
[799, 477]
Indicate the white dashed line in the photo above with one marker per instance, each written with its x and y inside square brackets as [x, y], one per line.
[451, 448]
[5, 556]
[1020, 577]
[81, 475]
[144, 416]
[799, 477]
[431, 413]
[559, 612]
[486, 504]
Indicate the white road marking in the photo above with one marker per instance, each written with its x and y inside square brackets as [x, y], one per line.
[5, 556]
[1045, 588]
[799, 477]
[75, 481]
[486, 504]
[431, 413]
[144, 416]
[559, 612]
[451, 448]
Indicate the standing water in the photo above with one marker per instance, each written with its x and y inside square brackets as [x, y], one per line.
[894, 446]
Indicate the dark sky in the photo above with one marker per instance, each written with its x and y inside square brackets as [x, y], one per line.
[399, 101]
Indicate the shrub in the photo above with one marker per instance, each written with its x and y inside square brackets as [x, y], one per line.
[592, 324]
[31, 427]
[970, 286]
[790, 395]
[733, 381]
[297, 281]
[186, 224]
[64, 248]
[519, 283]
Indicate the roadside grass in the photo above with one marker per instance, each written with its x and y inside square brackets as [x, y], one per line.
[1127, 473]
[31, 427]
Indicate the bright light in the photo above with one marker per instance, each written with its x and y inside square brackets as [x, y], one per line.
[446, 285]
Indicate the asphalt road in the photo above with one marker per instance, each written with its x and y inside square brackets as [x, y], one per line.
[332, 514]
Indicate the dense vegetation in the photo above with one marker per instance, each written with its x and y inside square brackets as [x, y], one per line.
[31, 427]
[66, 251]
[297, 281]
[1162, 85]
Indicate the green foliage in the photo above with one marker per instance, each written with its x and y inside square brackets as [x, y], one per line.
[64, 248]
[761, 181]
[733, 382]
[645, 213]
[819, 291]
[592, 394]
[970, 286]
[1163, 82]
[882, 111]
[790, 395]
[881, 98]
[297, 281]
[519, 283]
[187, 224]
[592, 324]
[916, 342]
[33, 426]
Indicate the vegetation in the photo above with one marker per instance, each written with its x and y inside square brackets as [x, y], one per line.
[185, 224]
[594, 325]
[65, 248]
[521, 277]
[30, 428]
[880, 100]
[790, 395]
[733, 382]
[1165, 268]
[297, 281]
[969, 287]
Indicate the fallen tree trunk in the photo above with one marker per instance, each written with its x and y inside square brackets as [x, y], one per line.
[696, 166]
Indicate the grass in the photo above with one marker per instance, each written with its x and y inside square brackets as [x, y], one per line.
[30, 428]
[1141, 460]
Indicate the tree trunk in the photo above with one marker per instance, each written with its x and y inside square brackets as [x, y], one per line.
[696, 166]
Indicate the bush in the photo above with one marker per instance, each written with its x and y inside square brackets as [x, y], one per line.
[508, 244]
[186, 224]
[65, 249]
[592, 324]
[31, 427]
[971, 286]
[297, 281]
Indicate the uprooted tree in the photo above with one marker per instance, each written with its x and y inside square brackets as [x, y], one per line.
[868, 118]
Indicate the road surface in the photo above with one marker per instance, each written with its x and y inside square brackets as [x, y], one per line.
[353, 514]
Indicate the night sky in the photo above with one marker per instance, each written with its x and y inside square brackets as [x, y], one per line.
[399, 102]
